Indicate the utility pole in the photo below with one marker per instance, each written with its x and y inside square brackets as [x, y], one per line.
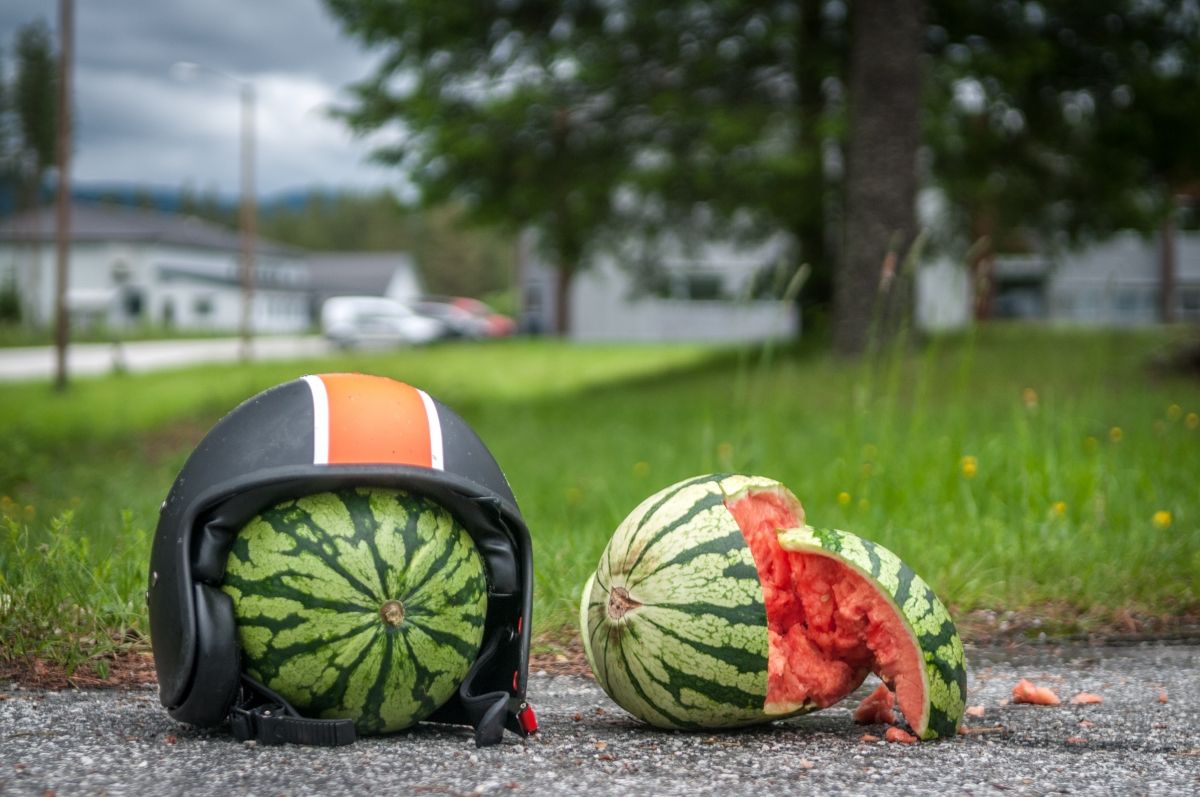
[66, 27]
[249, 217]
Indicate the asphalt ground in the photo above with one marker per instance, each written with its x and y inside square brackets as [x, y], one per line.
[122, 742]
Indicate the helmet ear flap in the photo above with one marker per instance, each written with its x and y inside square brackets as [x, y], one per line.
[217, 675]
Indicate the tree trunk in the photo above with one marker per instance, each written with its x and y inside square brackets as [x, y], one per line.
[983, 264]
[881, 185]
[810, 226]
[562, 300]
[1166, 269]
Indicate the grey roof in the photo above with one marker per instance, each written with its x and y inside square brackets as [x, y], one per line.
[262, 279]
[103, 222]
[360, 273]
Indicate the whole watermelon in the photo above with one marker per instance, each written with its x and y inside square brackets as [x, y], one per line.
[363, 604]
[714, 605]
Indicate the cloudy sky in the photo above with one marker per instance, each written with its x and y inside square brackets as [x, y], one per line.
[138, 123]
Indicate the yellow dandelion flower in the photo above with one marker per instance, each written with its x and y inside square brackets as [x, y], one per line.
[1193, 420]
[1162, 519]
[640, 469]
[1115, 434]
[1059, 508]
[843, 498]
[970, 466]
[1174, 412]
[863, 503]
[1030, 397]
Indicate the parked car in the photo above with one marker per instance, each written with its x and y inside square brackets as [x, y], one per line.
[465, 317]
[459, 322]
[375, 321]
[498, 324]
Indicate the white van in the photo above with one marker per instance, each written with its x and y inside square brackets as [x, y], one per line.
[374, 321]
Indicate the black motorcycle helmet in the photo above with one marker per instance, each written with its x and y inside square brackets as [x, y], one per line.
[312, 435]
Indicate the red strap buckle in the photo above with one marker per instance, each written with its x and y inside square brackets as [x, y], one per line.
[527, 718]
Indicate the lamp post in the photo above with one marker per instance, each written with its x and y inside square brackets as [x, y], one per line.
[185, 70]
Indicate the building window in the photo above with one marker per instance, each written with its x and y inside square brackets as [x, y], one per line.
[202, 306]
[134, 302]
[1188, 303]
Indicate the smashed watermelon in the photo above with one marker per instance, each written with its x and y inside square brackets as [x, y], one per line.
[714, 605]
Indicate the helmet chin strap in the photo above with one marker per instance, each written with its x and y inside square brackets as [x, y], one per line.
[262, 715]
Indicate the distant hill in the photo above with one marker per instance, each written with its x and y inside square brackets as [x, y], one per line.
[172, 199]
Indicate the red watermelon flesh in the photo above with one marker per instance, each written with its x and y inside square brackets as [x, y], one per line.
[828, 626]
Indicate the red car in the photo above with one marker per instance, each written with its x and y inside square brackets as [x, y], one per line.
[498, 325]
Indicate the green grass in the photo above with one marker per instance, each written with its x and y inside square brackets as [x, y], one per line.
[1059, 511]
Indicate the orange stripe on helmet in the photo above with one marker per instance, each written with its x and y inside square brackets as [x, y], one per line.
[375, 420]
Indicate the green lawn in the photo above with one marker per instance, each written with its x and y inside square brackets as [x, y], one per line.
[1023, 469]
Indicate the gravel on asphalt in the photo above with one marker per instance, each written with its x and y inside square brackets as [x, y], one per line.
[123, 742]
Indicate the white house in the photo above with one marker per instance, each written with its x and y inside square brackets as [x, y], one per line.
[1112, 283]
[132, 266]
[699, 293]
[1118, 283]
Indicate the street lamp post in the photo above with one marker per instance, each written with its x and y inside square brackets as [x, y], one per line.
[248, 215]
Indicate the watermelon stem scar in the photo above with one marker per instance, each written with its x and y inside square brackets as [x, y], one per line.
[392, 613]
[620, 602]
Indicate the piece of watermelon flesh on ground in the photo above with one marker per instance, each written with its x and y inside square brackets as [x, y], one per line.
[828, 626]
[876, 708]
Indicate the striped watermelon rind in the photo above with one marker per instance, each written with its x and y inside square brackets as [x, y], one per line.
[694, 654]
[925, 618]
[315, 584]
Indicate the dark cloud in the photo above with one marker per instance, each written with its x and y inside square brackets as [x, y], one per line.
[138, 123]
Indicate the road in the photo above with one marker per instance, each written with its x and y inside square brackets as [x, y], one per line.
[123, 743]
[86, 359]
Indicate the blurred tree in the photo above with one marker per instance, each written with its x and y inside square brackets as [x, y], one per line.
[870, 298]
[34, 103]
[1069, 119]
[490, 110]
[589, 119]
[619, 117]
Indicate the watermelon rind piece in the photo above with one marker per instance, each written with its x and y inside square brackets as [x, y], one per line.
[944, 674]
[366, 604]
[679, 648]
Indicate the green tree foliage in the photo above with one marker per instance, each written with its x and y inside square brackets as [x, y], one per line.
[543, 114]
[34, 104]
[1064, 118]
[1058, 116]
[490, 110]
[730, 108]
